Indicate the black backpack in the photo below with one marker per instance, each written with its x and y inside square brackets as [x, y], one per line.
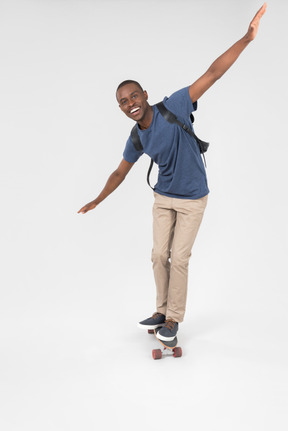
[171, 118]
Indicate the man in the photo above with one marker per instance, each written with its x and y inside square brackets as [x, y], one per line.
[181, 191]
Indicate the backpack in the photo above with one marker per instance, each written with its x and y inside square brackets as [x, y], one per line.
[171, 118]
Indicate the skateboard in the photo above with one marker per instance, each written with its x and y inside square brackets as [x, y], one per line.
[168, 346]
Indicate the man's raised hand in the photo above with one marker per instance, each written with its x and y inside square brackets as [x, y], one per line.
[254, 24]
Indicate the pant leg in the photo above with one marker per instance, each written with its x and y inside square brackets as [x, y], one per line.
[188, 220]
[164, 218]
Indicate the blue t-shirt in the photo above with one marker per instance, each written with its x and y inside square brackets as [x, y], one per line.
[181, 169]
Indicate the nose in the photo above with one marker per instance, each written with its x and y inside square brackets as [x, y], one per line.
[131, 103]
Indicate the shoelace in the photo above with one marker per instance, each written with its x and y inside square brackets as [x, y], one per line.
[155, 315]
[170, 324]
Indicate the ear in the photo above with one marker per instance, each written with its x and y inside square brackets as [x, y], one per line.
[145, 94]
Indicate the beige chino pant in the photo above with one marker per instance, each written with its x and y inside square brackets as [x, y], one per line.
[175, 226]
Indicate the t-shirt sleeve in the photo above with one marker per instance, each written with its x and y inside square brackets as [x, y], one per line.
[180, 103]
[130, 153]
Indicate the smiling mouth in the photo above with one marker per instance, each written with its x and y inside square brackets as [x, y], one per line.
[134, 111]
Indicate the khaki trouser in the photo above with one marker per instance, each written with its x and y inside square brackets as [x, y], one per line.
[175, 226]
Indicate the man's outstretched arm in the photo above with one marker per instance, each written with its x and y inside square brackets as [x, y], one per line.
[225, 61]
[113, 182]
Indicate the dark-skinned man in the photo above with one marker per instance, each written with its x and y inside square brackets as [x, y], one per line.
[181, 191]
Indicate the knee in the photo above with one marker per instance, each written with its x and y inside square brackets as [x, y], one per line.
[180, 260]
[159, 256]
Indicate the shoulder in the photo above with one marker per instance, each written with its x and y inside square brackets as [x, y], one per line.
[131, 154]
[180, 102]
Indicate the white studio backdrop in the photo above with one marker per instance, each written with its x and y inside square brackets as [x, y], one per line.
[70, 281]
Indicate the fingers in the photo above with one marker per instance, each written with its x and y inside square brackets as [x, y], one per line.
[260, 12]
[82, 211]
[86, 208]
[253, 27]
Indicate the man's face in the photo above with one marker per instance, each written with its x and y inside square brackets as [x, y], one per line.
[133, 101]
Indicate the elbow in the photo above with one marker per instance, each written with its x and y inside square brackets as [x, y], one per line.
[214, 76]
[119, 176]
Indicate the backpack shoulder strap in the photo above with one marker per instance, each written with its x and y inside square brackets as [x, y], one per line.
[148, 174]
[138, 146]
[135, 139]
[168, 115]
[171, 118]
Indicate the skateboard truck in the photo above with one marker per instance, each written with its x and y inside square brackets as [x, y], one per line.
[169, 347]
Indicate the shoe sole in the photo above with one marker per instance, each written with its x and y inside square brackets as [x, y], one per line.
[161, 337]
[149, 326]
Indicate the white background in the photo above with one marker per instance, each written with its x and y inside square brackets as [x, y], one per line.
[74, 286]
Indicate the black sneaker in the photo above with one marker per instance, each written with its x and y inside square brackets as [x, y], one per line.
[168, 331]
[152, 322]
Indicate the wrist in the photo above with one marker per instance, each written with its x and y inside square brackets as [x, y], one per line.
[247, 39]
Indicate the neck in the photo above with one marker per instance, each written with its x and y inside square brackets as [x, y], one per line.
[145, 122]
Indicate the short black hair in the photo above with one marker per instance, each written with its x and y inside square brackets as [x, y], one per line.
[129, 81]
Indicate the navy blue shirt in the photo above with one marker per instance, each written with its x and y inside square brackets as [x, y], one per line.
[181, 169]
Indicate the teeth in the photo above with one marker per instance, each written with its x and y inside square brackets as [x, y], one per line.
[134, 110]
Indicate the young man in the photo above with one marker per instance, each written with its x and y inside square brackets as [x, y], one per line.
[181, 191]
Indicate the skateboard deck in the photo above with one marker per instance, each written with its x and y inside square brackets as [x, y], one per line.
[168, 346]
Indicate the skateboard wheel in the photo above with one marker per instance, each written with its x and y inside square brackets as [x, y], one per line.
[156, 354]
[177, 352]
[150, 331]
